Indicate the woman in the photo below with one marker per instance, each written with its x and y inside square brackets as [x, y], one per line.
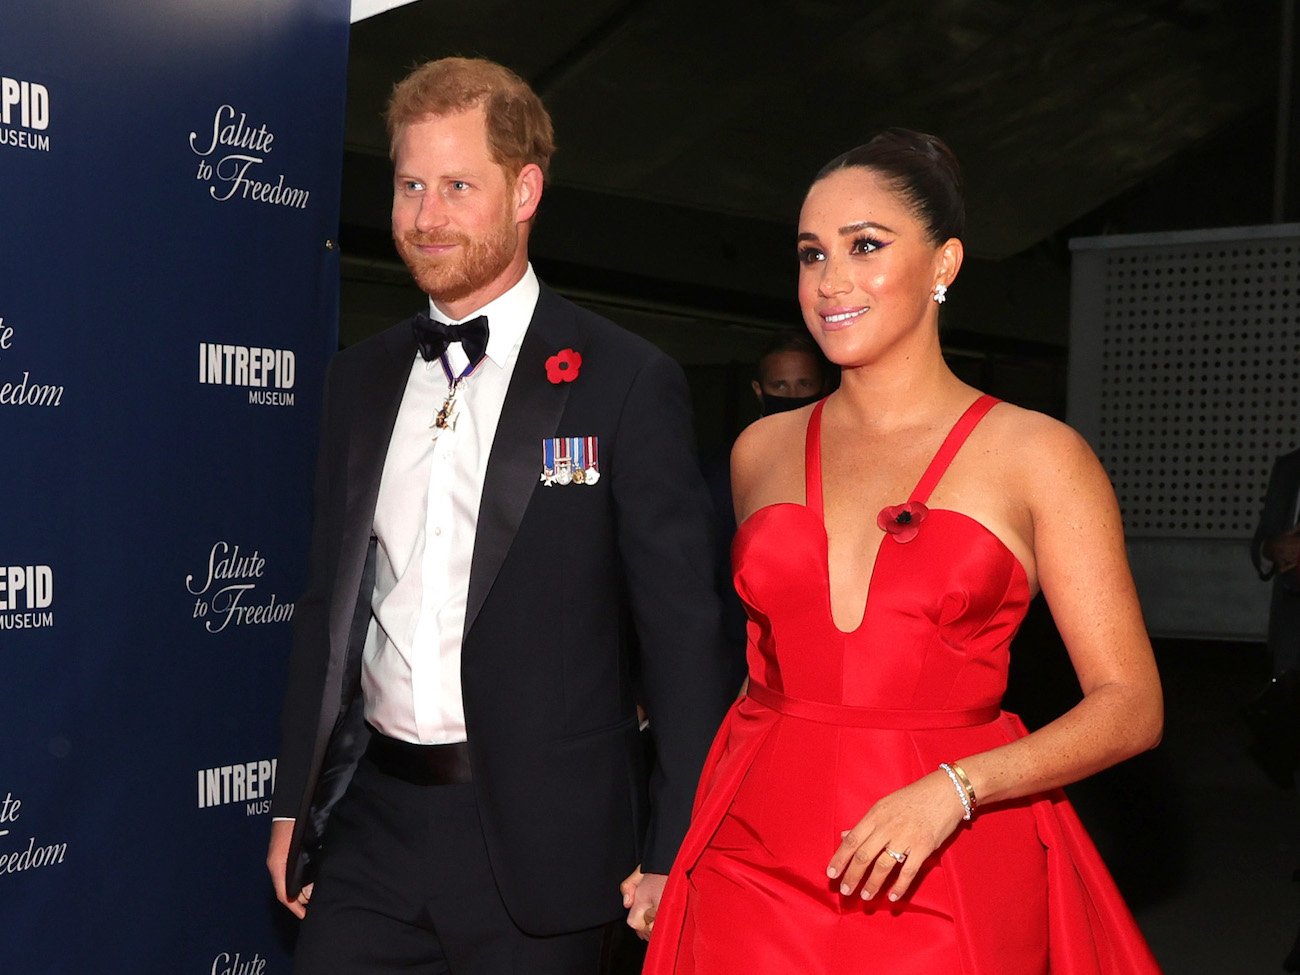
[867, 807]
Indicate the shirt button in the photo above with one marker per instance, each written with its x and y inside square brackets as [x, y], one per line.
[437, 531]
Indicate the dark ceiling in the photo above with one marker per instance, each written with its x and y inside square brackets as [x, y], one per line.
[688, 129]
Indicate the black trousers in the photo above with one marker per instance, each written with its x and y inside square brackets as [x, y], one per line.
[405, 886]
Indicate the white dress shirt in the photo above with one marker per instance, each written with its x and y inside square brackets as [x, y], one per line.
[425, 522]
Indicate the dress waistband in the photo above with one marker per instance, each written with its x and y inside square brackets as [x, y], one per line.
[854, 717]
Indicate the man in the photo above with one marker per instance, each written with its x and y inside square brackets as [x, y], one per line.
[1277, 542]
[1273, 716]
[791, 372]
[508, 526]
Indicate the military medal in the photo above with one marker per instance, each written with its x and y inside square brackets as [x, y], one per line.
[570, 460]
[445, 418]
[592, 462]
[548, 462]
[563, 462]
[579, 468]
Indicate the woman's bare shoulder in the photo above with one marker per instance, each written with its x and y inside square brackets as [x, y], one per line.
[1034, 436]
[766, 449]
[771, 434]
[1047, 458]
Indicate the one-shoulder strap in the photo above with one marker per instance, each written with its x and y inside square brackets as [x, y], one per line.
[812, 461]
[951, 444]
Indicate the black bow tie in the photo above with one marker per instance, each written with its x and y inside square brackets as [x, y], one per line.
[434, 336]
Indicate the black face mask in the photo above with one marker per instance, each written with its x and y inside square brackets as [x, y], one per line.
[781, 404]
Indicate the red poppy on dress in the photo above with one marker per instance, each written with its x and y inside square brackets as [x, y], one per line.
[564, 366]
[902, 521]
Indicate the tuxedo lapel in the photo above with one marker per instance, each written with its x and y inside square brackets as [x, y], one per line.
[374, 411]
[531, 413]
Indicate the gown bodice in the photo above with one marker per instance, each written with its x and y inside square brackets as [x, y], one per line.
[945, 598]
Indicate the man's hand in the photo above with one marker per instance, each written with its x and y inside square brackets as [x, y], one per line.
[1284, 550]
[641, 893]
[277, 861]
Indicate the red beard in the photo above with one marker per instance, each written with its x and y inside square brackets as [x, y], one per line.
[473, 265]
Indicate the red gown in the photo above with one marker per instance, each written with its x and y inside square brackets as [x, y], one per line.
[832, 722]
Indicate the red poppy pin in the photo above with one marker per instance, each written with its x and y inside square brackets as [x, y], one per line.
[902, 521]
[564, 366]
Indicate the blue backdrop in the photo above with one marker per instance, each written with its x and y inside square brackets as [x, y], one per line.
[169, 179]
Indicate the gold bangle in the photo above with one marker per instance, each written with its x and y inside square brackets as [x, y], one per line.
[965, 784]
[966, 808]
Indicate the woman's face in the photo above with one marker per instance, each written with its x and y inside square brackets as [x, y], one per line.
[867, 269]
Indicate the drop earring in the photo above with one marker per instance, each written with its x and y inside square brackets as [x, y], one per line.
[940, 293]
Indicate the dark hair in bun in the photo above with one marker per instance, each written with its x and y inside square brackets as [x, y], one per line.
[921, 169]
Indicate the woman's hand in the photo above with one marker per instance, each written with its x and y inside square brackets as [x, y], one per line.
[641, 894]
[913, 822]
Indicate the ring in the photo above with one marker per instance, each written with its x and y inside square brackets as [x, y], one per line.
[895, 856]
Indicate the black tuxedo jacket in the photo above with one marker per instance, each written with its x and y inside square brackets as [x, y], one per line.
[1278, 516]
[575, 592]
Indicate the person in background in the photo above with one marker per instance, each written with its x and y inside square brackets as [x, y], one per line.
[867, 805]
[509, 523]
[1275, 552]
[1273, 716]
[791, 372]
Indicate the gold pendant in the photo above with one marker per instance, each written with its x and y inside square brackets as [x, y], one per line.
[445, 418]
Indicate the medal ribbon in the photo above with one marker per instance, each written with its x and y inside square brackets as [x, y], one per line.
[445, 417]
[468, 370]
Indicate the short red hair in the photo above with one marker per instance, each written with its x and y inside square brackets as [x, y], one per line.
[519, 129]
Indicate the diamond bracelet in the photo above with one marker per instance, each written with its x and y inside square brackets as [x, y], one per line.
[965, 792]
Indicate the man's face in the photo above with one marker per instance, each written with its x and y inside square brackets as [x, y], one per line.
[456, 212]
[789, 374]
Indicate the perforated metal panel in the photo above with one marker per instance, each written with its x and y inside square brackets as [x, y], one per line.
[1197, 380]
[1185, 377]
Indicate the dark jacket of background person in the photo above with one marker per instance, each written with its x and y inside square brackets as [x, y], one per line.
[1277, 518]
